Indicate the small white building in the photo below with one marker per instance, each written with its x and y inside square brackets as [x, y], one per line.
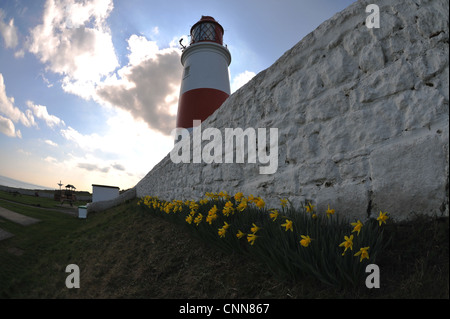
[104, 192]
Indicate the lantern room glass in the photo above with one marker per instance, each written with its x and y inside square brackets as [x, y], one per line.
[204, 32]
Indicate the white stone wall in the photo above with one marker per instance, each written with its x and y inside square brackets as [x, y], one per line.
[362, 116]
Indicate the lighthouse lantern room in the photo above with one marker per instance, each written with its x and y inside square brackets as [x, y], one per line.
[205, 82]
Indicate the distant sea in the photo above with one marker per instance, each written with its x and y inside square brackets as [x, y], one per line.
[6, 181]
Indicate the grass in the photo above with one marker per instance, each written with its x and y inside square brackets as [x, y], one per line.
[43, 202]
[126, 252]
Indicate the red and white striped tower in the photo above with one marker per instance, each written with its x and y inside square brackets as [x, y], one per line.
[206, 81]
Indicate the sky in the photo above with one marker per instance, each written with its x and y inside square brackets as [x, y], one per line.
[89, 89]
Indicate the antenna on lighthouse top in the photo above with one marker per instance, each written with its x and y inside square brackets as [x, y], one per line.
[182, 46]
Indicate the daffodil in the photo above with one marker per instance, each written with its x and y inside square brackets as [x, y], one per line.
[242, 205]
[309, 208]
[238, 196]
[168, 207]
[357, 226]
[363, 253]
[283, 202]
[222, 232]
[329, 211]
[382, 217]
[251, 238]
[228, 209]
[254, 229]
[348, 243]
[306, 240]
[212, 215]
[193, 205]
[224, 195]
[213, 210]
[198, 219]
[260, 203]
[273, 214]
[240, 234]
[288, 225]
[189, 219]
[211, 218]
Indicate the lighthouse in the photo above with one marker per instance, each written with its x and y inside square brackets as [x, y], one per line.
[205, 81]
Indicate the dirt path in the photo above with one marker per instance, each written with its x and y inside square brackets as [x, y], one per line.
[17, 218]
[4, 234]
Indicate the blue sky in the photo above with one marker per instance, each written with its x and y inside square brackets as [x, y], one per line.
[89, 89]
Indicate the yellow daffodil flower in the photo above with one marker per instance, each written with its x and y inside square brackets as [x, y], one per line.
[198, 219]
[329, 211]
[238, 196]
[213, 210]
[274, 214]
[240, 234]
[193, 206]
[251, 238]
[348, 243]
[288, 225]
[363, 253]
[260, 203]
[306, 240]
[382, 217]
[222, 232]
[189, 219]
[309, 208]
[242, 205]
[254, 229]
[228, 209]
[210, 218]
[283, 202]
[357, 226]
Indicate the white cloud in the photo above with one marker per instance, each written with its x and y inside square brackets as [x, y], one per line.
[155, 30]
[40, 111]
[148, 87]
[8, 31]
[241, 79]
[51, 159]
[12, 112]
[93, 167]
[7, 127]
[141, 49]
[19, 54]
[51, 143]
[75, 41]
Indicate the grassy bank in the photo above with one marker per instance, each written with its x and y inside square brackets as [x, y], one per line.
[126, 252]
